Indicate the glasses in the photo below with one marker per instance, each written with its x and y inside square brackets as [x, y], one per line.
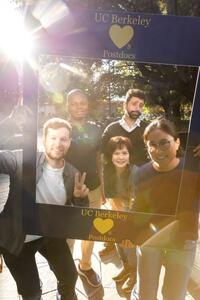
[163, 145]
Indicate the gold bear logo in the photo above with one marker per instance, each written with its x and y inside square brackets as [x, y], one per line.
[103, 225]
[121, 35]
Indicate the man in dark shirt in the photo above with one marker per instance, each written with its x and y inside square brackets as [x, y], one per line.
[84, 154]
[130, 125]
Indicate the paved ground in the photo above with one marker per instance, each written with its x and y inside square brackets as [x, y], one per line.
[194, 284]
[107, 268]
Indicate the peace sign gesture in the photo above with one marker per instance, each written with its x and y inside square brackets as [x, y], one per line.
[80, 189]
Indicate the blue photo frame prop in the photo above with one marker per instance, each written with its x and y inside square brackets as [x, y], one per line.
[144, 38]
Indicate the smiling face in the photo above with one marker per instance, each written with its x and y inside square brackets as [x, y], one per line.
[78, 106]
[120, 158]
[162, 148]
[56, 143]
[134, 107]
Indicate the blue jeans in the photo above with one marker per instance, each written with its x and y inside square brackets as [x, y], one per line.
[178, 264]
[24, 269]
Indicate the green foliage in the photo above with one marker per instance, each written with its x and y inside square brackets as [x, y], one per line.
[168, 87]
[175, 7]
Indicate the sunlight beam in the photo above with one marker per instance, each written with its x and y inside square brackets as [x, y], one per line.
[15, 41]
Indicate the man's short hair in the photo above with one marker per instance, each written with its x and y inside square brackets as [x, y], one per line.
[75, 92]
[134, 93]
[56, 123]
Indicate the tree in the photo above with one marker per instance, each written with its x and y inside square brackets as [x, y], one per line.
[169, 86]
[175, 7]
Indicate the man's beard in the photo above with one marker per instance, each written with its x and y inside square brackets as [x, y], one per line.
[54, 157]
[134, 114]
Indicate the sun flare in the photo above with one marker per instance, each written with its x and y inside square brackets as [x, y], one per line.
[15, 41]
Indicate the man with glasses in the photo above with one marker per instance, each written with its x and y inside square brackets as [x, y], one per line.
[130, 125]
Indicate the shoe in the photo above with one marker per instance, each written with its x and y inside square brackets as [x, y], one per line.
[123, 275]
[91, 276]
[129, 284]
[37, 297]
[109, 248]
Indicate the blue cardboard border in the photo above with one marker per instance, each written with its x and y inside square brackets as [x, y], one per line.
[167, 40]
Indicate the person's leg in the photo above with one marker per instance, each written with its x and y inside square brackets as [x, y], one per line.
[132, 257]
[122, 255]
[86, 251]
[58, 255]
[178, 264]
[132, 264]
[149, 261]
[71, 243]
[128, 256]
[129, 260]
[126, 270]
[24, 271]
[114, 204]
[85, 268]
[109, 248]
[94, 197]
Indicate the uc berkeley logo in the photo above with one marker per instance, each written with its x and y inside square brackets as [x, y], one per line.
[121, 36]
[103, 225]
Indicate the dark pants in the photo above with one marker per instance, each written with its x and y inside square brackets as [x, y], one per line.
[24, 269]
[128, 257]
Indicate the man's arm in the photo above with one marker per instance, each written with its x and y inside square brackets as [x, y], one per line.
[8, 162]
[11, 127]
[105, 138]
[104, 141]
[8, 167]
[8, 131]
[99, 159]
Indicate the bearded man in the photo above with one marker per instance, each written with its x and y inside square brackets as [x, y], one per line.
[130, 125]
